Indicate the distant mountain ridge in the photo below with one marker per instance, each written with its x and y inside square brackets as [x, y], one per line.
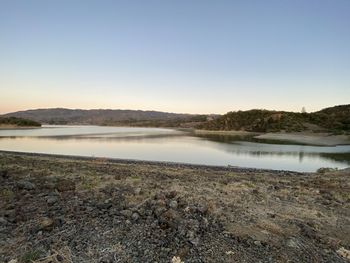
[104, 117]
[333, 119]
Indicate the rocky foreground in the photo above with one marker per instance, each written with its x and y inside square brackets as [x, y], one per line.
[60, 209]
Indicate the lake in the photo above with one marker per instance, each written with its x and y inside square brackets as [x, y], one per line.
[155, 144]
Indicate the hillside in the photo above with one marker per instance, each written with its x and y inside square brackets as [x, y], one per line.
[334, 119]
[109, 117]
[18, 122]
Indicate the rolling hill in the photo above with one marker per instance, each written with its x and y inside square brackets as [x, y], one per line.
[108, 117]
[334, 119]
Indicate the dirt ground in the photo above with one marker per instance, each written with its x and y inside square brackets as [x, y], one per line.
[71, 209]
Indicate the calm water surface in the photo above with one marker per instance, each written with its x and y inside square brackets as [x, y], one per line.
[170, 145]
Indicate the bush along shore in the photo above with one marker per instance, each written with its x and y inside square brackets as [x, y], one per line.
[17, 122]
[58, 209]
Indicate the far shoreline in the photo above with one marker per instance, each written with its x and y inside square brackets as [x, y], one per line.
[15, 127]
[303, 138]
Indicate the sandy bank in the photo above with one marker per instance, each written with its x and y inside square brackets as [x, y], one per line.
[307, 138]
[10, 127]
[231, 133]
[323, 139]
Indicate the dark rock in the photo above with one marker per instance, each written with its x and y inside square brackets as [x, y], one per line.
[308, 231]
[65, 185]
[171, 194]
[195, 241]
[160, 196]
[4, 174]
[26, 185]
[159, 210]
[10, 215]
[169, 218]
[52, 200]
[114, 211]
[109, 258]
[59, 221]
[3, 221]
[104, 206]
[183, 252]
[202, 208]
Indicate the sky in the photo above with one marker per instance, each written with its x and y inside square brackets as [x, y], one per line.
[194, 56]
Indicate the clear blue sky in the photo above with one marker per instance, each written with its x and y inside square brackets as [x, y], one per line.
[192, 56]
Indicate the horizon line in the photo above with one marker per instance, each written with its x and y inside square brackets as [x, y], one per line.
[115, 109]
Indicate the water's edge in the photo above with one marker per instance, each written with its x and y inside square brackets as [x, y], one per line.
[162, 163]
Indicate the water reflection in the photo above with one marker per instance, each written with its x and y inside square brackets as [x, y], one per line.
[171, 145]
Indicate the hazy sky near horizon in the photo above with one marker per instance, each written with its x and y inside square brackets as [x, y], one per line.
[196, 56]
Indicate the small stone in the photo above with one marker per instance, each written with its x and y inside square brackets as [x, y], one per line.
[13, 261]
[195, 241]
[173, 204]
[11, 215]
[135, 216]
[65, 185]
[202, 208]
[126, 213]
[171, 194]
[160, 196]
[46, 224]
[176, 260]
[345, 253]
[138, 191]
[59, 258]
[155, 224]
[25, 185]
[52, 200]
[257, 243]
[292, 243]
[104, 206]
[190, 235]
[170, 218]
[159, 211]
[205, 222]
[3, 221]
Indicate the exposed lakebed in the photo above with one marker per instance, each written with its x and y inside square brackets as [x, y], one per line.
[169, 145]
